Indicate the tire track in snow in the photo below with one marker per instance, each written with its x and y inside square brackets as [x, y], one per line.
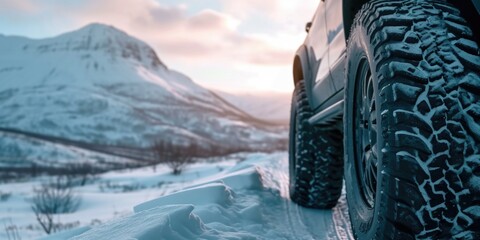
[298, 222]
[341, 219]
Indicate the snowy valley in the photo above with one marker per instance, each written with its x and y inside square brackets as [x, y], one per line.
[97, 92]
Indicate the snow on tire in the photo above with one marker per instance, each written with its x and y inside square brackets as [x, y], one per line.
[421, 178]
[315, 157]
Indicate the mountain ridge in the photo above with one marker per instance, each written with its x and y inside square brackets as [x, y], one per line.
[93, 37]
[100, 85]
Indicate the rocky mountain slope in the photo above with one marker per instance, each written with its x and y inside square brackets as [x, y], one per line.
[98, 85]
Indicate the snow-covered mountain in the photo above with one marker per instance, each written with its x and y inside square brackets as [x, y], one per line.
[99, 85]
[274, 107]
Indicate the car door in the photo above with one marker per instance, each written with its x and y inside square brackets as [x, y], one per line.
[336, 42]
[317, 45]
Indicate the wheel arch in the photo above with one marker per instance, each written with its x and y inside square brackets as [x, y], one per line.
[302, 71]
[300, 62]
[350, 9]
[297, 70]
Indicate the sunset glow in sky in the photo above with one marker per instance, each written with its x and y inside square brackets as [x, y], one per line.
[232, 45]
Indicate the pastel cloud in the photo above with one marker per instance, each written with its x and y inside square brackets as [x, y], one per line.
[243, 42]
[245, 7]
[209, 19]
[207, 34]
[279, 10]
[17, 6]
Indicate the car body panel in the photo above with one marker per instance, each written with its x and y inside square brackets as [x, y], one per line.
[323, 54]
[336, 43]
[302, 70]
[317, 48]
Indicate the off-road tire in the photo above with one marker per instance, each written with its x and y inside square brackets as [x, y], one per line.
[315, 157]
[425, 70]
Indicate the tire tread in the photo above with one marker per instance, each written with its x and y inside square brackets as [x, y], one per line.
[319, 177]
[428, 68]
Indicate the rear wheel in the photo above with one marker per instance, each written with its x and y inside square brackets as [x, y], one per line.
[412, 128]
[316, 164]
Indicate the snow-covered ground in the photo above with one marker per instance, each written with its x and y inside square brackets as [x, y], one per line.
[240, 197]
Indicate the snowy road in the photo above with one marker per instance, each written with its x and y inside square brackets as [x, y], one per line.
[299, 222]
[247, 201]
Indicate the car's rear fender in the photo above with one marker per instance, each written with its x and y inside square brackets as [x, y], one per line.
[300, 65]
[301, 70]
[350, 9]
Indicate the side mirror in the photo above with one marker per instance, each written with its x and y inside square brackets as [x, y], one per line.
[308, 26]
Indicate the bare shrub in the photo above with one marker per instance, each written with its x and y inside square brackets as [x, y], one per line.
[108, 186]
[65, 226]
[80, 173]
[96, 222]
[4, 196]
[11, 230]
[54, 198]
[9, 175]
[176, 157]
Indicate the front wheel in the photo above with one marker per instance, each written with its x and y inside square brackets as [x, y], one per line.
[412, 129]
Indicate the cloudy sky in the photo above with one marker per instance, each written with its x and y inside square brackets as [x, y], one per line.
[232, 45]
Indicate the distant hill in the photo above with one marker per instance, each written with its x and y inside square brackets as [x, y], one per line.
[274, 107]
[98, 85]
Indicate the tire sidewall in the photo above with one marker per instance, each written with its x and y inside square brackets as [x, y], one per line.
[293, 143]
[365, 220]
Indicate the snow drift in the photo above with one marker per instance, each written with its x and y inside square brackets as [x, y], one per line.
[245, 201]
